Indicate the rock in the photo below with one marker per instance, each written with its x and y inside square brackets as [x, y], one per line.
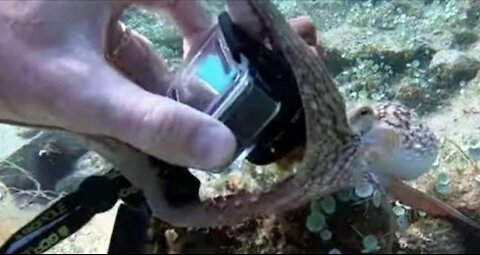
[474, 51]
[454, 60]
[410, 93]
[87, 165]
[46, 159]
[452, 66]
[12, 137]
[465, 37]
[472, 11]
[431, 236]
[29, 133]
[411, 7]
[345, 44]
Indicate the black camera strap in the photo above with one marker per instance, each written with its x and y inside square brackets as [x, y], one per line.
[96, 194]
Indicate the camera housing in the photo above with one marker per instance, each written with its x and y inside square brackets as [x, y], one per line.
[249, 88]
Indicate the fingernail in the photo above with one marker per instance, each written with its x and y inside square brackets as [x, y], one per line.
[214, 146]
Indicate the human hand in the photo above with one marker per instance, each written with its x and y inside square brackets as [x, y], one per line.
[54, 74]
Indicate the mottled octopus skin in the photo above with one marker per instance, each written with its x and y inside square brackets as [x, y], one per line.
[414, 149]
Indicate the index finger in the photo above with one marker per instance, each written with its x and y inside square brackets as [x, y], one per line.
[134, 56]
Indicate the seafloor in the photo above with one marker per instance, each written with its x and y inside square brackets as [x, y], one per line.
[423, 53]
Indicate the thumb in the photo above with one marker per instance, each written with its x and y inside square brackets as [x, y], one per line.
[159, 126]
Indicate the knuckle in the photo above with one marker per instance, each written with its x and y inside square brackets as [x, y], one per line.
[166, 127]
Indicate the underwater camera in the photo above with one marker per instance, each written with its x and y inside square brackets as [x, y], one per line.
[249, 88]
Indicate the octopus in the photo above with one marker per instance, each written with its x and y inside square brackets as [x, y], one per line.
[394, 141]
[399, 147]
[341, 146]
